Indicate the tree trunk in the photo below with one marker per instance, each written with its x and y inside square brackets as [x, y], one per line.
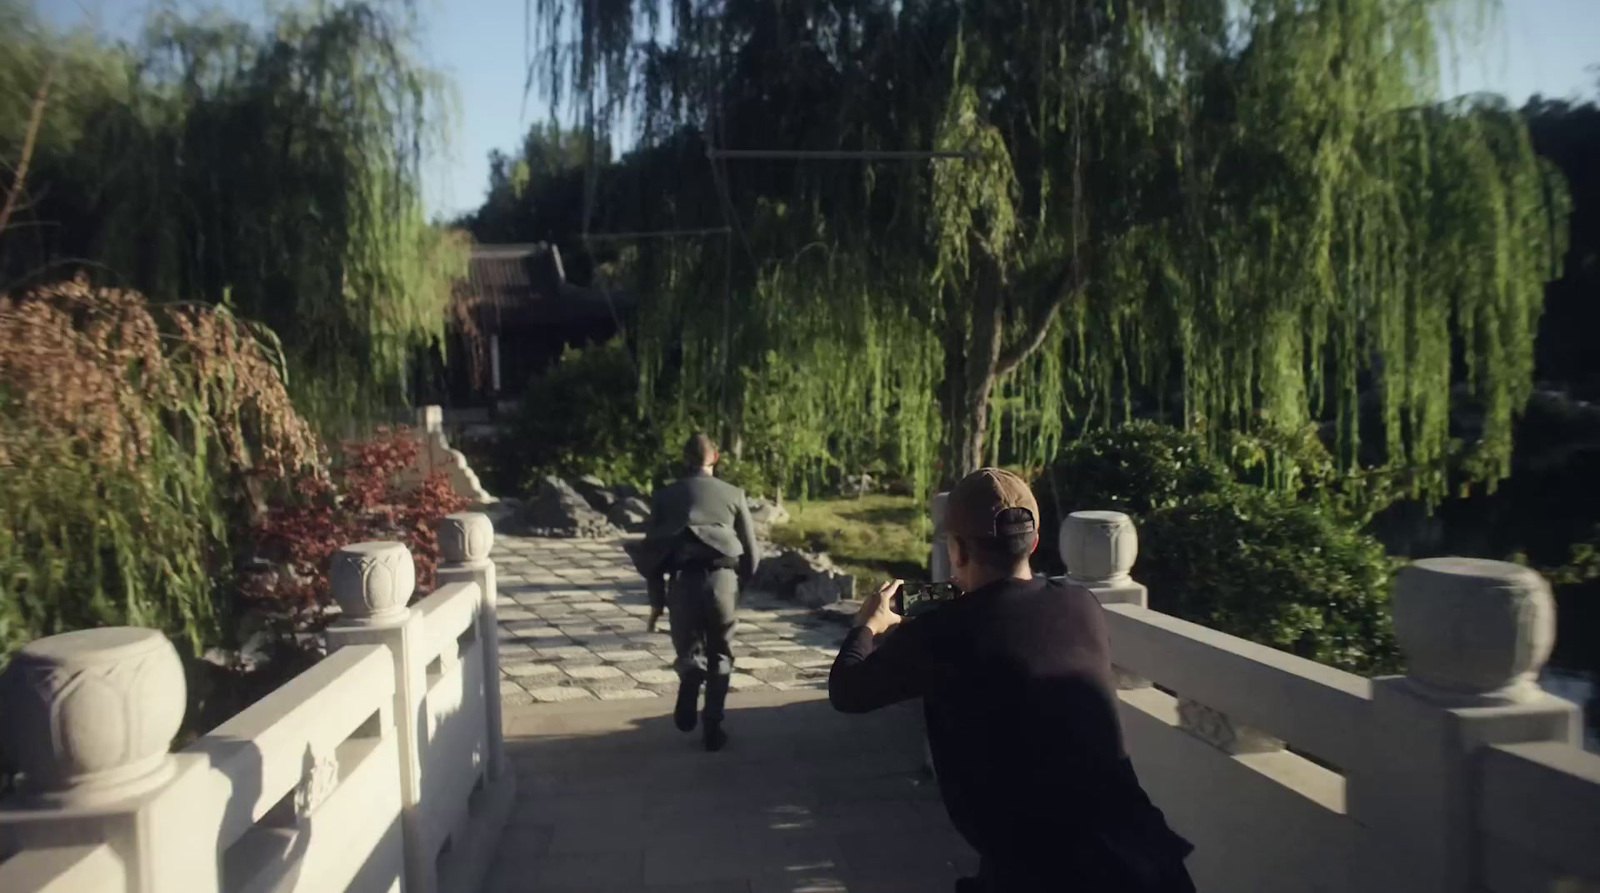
[982, 361]
[971, 396]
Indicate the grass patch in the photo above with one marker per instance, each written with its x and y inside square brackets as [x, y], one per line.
[875, 538]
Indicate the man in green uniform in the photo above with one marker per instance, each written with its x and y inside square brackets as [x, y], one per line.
[699, 550]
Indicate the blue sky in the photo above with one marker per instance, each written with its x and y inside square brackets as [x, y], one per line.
[1537, 46]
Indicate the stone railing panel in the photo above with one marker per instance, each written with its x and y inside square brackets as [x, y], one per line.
[1542, 801]
[93, 868]
[465, 542]
[1269, 821]
[286, 747]
[456, 761]
[449, 612]
[1315, 707]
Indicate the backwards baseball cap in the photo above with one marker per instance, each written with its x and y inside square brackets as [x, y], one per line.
[975, 506]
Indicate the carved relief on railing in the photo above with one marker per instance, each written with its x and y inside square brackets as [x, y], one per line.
[319, 777]
[1220, 731]
[1126, 681]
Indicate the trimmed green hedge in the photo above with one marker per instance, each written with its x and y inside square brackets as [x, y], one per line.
[1287, 567]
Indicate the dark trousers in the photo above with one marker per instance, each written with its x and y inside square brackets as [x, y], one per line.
[703, 608]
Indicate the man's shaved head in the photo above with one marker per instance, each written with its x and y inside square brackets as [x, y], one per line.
[699, 452]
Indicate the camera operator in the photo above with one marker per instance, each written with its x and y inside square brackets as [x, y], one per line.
[1015, 677]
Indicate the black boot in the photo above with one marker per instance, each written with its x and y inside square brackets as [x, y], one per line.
[716, 697]
[688, 699]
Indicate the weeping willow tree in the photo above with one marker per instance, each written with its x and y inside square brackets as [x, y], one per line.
[276, 171]
[1233, 215]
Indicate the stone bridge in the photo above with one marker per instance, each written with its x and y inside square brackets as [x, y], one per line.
[505, 733]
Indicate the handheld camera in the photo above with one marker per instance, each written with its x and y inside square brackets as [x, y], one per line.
[916, 597]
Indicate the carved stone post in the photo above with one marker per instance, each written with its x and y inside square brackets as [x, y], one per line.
[939, 561]
[1100, 549]
[373, 584]
[430, 419]
[1474, 634]
[88, 718]
[465, 540]
[90, 715]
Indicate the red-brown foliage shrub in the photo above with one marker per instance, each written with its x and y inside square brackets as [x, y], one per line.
[363, 499]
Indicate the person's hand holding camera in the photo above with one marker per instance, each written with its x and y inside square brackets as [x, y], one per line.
[877, 610]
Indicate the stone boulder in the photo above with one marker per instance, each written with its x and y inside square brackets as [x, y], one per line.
[858, 485]
[556, 509]
[625, 491]
[766, 515]
[810, 579]
[631, 514]
[595, 492]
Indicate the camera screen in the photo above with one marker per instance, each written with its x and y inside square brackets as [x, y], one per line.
[917, 597]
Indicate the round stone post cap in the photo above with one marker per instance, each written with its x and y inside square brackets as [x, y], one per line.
[90, 715]
[1099, 547]
[373, 581]
[465, 537]
[1473, 631]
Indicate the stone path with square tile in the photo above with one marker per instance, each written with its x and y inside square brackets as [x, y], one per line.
[572, 628]
[611, 798]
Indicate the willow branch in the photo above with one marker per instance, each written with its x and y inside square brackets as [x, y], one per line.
[1012, 357]
[35, 118]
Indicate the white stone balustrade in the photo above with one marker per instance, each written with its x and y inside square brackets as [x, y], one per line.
[372, 771]
[437, 455]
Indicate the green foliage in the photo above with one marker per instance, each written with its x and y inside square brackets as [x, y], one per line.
[1568, 134]
[1263, 542]
[1283, 573]
[133, 443]
[1135, 468]
[1241, 216]
[876, 537]
[580, 418]
[276, 171]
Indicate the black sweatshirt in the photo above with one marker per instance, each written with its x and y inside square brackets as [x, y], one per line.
[1016, 684]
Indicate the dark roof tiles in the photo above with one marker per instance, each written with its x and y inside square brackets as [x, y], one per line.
[512, 284]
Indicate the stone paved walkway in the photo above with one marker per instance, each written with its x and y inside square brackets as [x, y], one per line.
[572, 628]
[611, 798]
